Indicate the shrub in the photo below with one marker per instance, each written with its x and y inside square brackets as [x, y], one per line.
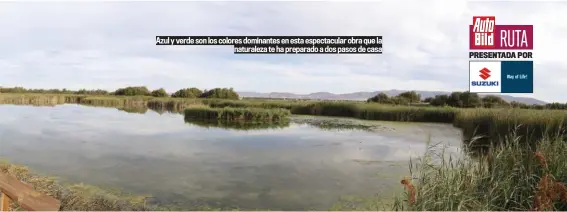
[187, 93]
[159, 93]
[133, 91]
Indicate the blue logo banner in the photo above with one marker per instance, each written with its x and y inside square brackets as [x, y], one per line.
[517, 76]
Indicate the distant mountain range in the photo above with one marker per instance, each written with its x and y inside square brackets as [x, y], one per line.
[363, 96]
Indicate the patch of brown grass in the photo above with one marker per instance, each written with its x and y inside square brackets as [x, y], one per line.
[410, 188]
[548, 189]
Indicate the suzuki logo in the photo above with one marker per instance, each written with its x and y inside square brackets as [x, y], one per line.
[484, 73]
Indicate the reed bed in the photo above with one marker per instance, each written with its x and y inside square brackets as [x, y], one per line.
[172, 104]
[377, 112]
[29, 99]
[136, 101]
[271, 104]
[158, 103]
[513, 176]
[237, 125]
[406, 113]
[349, 109]
[236, 114]
[483, 125]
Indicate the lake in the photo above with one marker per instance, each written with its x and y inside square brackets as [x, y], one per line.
[299, 166]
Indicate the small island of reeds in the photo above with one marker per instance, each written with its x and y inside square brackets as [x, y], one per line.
[237, 114]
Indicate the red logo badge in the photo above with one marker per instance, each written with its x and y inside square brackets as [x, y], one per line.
[484, 73]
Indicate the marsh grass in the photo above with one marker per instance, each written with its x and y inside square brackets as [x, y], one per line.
[158, 103]
[484, 125]
[76, 197]
[34, 99]
[270, 104]
[236, 114]
[237, 125]
[508, 176]
[172, 104]
[116, 101]
[406, 113]
[368, 111]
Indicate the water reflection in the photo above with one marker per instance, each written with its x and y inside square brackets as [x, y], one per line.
[139, 110]
[293, 167]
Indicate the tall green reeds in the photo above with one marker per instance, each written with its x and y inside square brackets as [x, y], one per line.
[156, 103]
[237, 125]
[495, 124]
[218, 103]
[172, 104]
[34, 99]
[512, 176]
[236, 114]
[349, 109]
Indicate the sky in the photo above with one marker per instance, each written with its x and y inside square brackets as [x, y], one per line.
[108, 45]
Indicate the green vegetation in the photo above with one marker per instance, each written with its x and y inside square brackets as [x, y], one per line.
[460, 100]
[495, 124]
[171, 104]
[236, 125]
[378, 112]
[404, 98]
[44, 91]
[236, 114]
[216, 93]
[90, 92]
[411, 96]
[509, 177]
[255, 103]
[491, 101]
[381, 98]
[132, 91]
[220, 93]
[368, 111]
[159, 93]
[187, 93]
[77, 197]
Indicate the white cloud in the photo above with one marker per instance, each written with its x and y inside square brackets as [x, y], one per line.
[110, 44]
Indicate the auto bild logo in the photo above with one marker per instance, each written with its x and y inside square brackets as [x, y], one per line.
[485, 34]
[484, 75]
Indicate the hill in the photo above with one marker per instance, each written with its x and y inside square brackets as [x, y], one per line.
[362, 96]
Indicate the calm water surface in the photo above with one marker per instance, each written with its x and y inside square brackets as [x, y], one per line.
[299, 167]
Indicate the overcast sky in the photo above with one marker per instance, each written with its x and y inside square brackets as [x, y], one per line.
[112, 44]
